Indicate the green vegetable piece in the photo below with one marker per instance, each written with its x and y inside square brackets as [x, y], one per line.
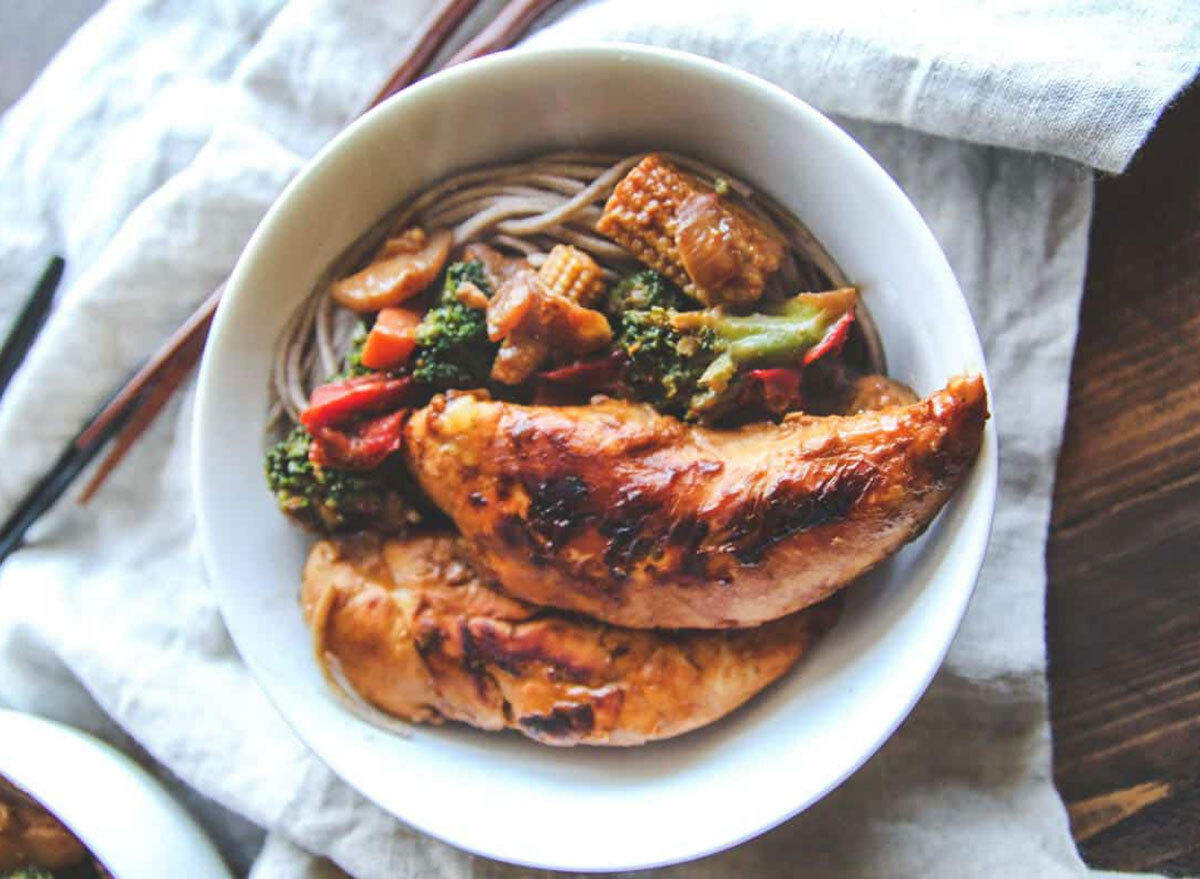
[665, 364]
[690, 363]
[778, 338]
[453, 349]
[461, 273]
[644, 290]
[330, 500]
[27, 873]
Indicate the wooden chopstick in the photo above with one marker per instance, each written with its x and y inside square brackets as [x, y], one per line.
[513, 19]
[509, 24]
[51, 486]
[29, 322]
[195, 327]
[154, 397]
[431, 36]
[437, 27]
[153, 384]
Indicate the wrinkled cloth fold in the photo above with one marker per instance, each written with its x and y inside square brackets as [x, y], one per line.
[155, 142]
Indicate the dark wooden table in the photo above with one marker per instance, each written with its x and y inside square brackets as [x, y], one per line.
[1123, 617]
[1124, 554]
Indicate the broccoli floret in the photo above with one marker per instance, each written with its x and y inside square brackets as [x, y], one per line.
[453, 349]
[689, 363]
[665, 364]
[27, 873]
[471, 271]
[644, 290]
[780, 337]
[329, 499]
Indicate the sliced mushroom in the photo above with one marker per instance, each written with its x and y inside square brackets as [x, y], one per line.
[405, 265]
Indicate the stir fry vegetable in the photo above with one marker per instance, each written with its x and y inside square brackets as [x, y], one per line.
[645, 290]
[405, 265]
[697, 364]
[665, 362]
[453, 349]
[330, 499]
[391, 340]
[339, 402]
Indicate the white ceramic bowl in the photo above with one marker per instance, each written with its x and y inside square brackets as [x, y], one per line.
[112, 805]
[501, 795]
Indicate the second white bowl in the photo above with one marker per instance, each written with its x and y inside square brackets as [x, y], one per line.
[112, 805]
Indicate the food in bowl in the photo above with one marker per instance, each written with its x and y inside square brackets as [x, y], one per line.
[635, 518]
[418, 633]
[607, 418]
[36, 845]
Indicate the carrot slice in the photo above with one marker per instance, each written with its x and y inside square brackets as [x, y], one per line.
[392, 339]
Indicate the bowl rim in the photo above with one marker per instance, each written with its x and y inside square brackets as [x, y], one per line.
[986, 462]
[160, 816]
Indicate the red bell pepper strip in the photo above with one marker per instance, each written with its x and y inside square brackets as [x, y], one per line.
[588, 374]
[363, 447]
[365, 395]
[779, 388]
[833, 341]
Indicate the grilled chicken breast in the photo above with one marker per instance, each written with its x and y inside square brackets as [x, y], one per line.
[417, 633]
[641, 520]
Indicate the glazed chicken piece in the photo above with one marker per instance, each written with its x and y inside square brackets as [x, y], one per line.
[641, 520]
[716, 251]
[417, 634]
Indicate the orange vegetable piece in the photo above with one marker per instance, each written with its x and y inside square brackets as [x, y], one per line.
[392, 339]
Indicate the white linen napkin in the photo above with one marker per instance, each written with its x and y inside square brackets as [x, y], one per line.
[157, 139]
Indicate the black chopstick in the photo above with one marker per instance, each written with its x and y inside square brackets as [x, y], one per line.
[29, 322]
[57, 480]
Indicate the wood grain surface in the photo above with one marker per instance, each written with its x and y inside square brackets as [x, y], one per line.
[1123, 614]
[1124, 554]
